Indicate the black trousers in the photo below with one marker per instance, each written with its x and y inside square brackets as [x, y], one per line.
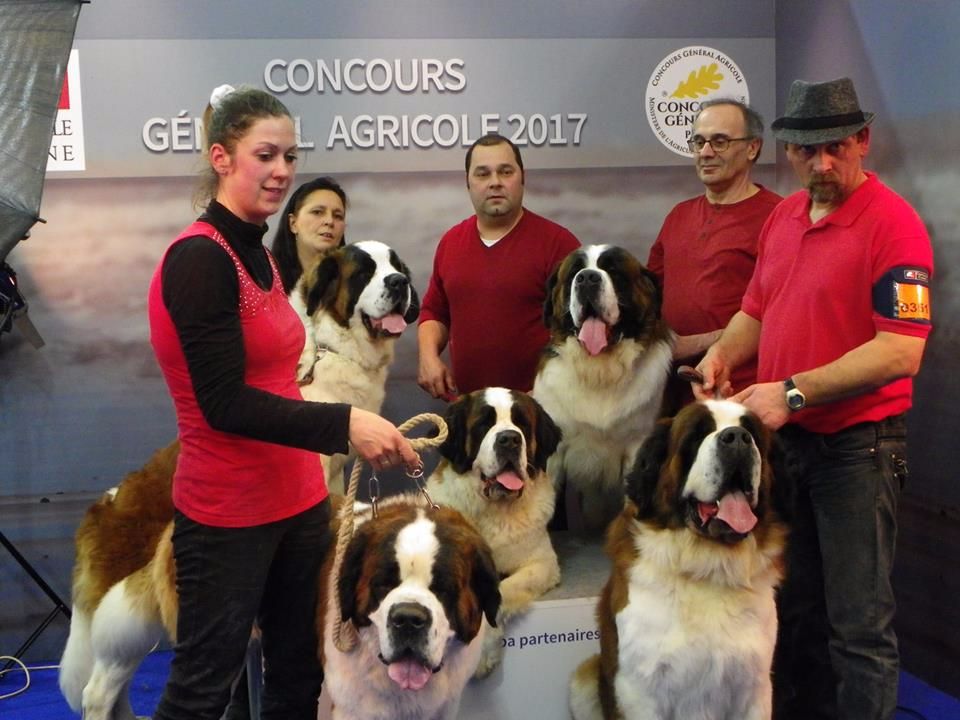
[836, 656]
[226, 579]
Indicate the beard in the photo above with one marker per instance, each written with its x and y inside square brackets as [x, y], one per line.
[824, 191]
[497, 209]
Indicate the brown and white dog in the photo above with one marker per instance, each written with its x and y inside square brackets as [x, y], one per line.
[493, 470]
[687, 618]
[416, 582]
[354, 303]
[420, 586]
[124, 593]
[601, 378]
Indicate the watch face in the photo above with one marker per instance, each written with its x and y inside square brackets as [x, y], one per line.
[795, 400]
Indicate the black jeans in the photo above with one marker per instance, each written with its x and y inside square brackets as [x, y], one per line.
[837, 652]
[226, 579]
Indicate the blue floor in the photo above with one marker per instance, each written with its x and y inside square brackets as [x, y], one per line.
[42, 699]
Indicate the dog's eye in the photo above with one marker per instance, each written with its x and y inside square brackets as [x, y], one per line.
[689, 447]
[383, 582]
[446, 586]
[380, 590]
[521, 421]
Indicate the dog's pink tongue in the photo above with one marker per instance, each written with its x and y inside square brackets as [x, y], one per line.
[593, 335]
[510, 480]
[735, 511]
[409, 674]
[393, 323]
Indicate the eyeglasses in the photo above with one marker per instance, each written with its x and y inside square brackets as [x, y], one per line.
[719, 143]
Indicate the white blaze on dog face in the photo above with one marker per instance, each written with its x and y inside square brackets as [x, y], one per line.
[377, 300]
[706, 476]
[605, 300]
[489, 461]
[416, 550]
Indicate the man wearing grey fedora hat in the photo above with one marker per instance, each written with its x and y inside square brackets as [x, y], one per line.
[837, 314]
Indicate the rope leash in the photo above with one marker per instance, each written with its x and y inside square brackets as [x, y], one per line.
[345, 634]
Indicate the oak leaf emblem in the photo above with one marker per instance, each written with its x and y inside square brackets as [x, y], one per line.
[699, 82]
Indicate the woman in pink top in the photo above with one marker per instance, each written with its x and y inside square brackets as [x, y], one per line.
[251, 509]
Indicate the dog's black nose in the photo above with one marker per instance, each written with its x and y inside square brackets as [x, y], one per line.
[735, 444]
[408, 619]
[735, 436]
[396, 281]
[509, 439]
[588, 278]
[409, 615]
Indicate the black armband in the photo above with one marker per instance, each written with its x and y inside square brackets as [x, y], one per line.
[903, 293]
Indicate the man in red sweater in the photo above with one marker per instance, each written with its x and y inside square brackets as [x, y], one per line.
[486, 294]
[707, 247]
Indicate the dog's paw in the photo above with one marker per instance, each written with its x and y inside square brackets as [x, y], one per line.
[491, 655]
[488, 662]
[516, 605]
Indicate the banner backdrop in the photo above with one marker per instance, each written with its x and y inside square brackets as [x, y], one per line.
[374, 105]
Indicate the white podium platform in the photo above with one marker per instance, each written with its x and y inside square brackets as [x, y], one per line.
[543, 646]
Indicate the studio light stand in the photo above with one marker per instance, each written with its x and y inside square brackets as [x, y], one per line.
[59, 605]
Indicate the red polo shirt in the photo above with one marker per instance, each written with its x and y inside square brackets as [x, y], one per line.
[812, 293]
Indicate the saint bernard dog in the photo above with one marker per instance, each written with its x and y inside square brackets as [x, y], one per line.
[602, 375]
[420, 586]
[123, 589]
[354, 303]
[493, 470]
[687, 618]
[417, 582]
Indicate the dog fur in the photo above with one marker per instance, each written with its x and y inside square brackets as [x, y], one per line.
[354, 303]
[123, 590]
[420, 586]
[602, 375]
[493, 470]
[687, 618]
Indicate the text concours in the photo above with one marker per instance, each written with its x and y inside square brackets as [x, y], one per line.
[391, 82]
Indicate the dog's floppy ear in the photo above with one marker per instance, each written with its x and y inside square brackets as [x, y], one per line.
[783, 473]
[323, 288]
[641, 481]
[481, 598]
[549, 304]
[454, 448]
[485, 582]
[413, 310]
[548, 437]
[348, 583]
[657, 291]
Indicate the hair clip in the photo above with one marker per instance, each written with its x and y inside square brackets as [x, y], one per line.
[218, 94]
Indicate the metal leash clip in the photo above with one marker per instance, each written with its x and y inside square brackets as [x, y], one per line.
[417, 476]
[373, 486]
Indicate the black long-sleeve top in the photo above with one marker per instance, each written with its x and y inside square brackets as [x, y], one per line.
[201, 292]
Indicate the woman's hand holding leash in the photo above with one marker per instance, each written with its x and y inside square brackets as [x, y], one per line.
[379, 442]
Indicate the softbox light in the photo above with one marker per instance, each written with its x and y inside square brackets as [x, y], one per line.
[35, 41]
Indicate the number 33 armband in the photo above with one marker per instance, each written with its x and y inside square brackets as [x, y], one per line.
[903, 293]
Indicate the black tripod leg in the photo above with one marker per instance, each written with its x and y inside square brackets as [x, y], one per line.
[60, 606]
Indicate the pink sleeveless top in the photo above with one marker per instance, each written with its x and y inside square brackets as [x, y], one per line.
[223, 479]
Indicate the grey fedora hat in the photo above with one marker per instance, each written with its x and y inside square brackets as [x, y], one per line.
[820, 113]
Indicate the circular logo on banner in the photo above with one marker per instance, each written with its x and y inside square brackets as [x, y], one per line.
[681, 81]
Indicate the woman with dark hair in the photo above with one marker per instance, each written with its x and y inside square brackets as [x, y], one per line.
[313, 221]
[252, 513]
